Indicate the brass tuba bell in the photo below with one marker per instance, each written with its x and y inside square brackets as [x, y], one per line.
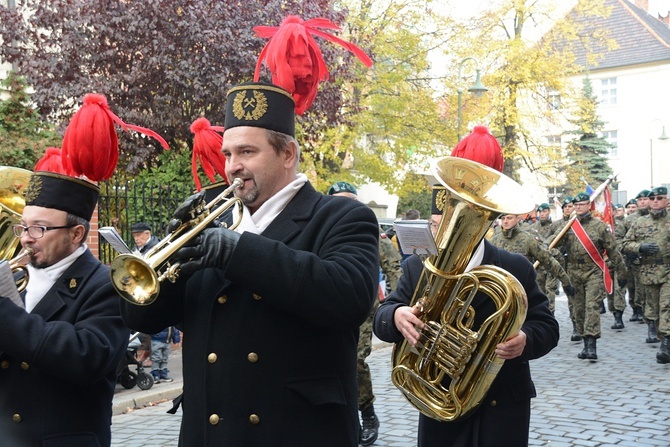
[449, 372]
[137, 278]
[13, 182]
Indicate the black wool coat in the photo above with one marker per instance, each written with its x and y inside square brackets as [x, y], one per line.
[503, 418]
[270, 342]
[58, 363]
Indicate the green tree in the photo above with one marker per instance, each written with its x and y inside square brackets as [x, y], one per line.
[393, 125]
[587, 152]
[24, 136]
[529, 57]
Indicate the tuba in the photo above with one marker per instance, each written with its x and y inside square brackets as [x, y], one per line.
[13, 182]
[137, 278]
[448, 373]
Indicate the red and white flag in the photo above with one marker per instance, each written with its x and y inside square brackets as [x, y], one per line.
[602, 205]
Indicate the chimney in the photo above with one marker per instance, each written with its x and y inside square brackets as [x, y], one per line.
[643, 4]
[665, 19]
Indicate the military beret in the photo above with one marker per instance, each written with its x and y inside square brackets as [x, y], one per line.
[643, 193]
[566, 200]
[139, 227]
[543, 206]
[659, 191]
[631, 202]
[618, 206]
[581, 197]
[342, 187]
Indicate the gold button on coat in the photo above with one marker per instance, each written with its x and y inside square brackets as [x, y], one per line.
[254, 419]
[16, 417]
[212, 358]
[214, 419]
[4, 364]
[494, 403]
[257, 297]
[252, 357]
[222, 299]
[24, 366]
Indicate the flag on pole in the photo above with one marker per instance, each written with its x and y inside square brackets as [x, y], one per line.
[602, 206]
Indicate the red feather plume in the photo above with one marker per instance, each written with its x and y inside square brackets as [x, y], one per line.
[294, 58]
[51, 161]
[90, 144]
[482, 147]
[207, 144]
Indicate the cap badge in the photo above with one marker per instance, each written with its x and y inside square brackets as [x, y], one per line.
[250, 108]
[33, 189]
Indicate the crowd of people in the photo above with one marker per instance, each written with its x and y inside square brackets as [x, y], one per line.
[278, 310]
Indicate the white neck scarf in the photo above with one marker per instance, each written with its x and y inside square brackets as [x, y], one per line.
[267, 212]
[41, 280]
[477, 257]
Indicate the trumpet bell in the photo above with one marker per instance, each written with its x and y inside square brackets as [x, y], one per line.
[134, 279]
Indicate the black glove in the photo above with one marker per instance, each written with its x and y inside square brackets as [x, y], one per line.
[211, 249]
[649, 248]
[187, 211]
[569, 290]
[622, 282]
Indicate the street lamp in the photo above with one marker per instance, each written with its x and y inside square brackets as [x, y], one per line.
[662, 137]
[477, 88]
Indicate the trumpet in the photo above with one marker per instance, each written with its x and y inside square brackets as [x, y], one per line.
[16, 267]
[137, 278]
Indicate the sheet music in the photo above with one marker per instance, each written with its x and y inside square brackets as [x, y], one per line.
[8, 285]
[114, 238]
[414, 236]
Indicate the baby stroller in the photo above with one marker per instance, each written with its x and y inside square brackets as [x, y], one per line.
[125, 376]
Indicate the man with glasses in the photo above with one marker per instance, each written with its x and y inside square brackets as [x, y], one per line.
[59, 350]
[587, 244]
[649, 237]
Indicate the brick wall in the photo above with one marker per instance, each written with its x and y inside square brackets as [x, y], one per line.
[92, 239]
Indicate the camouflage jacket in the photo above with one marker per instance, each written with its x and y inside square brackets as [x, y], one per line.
[602, 238]
[389, 261]
[516, 240]
[652, 228]
[544, 229]
[622, 229]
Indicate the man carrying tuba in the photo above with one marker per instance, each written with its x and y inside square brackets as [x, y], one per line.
[503, 417]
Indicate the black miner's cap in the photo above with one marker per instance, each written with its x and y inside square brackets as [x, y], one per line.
[258, 104]
[62, 192]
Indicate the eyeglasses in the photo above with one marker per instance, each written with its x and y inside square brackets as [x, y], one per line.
[35, 231]
[658, 197]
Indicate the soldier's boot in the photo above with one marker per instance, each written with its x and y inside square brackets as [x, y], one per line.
[637, 314]
[651, 333]
[663, 354]
[591, 348]
[602, 307]
[370, 428]
[618, 321]
[582, 355]
[575, 335]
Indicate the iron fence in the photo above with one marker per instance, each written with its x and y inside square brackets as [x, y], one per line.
[122, 204]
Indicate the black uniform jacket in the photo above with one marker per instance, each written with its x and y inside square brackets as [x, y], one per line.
[503, 417]
[270, 343]
[58, 363]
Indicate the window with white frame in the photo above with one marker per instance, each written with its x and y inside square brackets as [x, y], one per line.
[608, 91]
[553, 140]
[554, 100]
[611, 137]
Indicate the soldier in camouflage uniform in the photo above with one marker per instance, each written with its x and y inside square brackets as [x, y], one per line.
[515, 239]
[650, 238]
[556, 228]
[633, 260]
[586, 275]
[389, 263]
[616, 302]
[543, 226]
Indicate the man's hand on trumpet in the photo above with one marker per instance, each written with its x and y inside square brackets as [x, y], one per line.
[187, 211]
[213, 248]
